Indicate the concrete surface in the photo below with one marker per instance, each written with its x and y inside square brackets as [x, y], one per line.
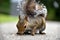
[8, 32]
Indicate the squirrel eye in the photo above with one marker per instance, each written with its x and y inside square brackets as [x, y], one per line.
[24, 26]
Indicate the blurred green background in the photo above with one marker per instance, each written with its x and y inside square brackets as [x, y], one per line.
[53, 7]
[5, 12]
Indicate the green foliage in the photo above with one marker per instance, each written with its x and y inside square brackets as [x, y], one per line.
[51, 14]
[4, 6]
[7, 18]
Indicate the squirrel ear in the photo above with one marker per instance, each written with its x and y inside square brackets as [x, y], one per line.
[26, 18]
[19, 17]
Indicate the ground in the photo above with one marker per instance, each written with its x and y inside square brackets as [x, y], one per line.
[8, 32]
